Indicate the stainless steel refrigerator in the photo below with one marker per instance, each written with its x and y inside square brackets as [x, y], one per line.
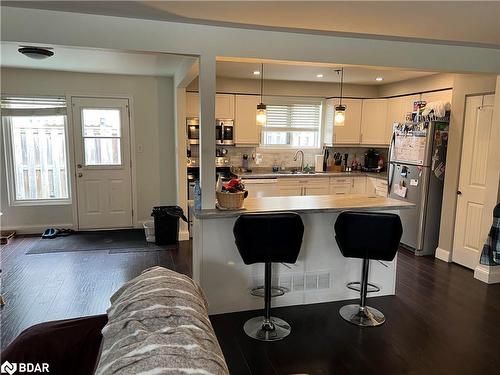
[417, 159]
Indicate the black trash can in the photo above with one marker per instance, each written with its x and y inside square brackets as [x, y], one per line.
[167, 224]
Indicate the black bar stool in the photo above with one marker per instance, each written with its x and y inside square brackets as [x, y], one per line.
[268, 238]
[367, 235]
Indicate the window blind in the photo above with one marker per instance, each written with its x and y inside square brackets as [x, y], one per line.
[293, 117]
[26, 106]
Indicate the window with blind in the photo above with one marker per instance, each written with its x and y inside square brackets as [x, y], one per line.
[292, 125]
[36, 150]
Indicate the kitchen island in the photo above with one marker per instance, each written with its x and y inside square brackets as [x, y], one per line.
[320, 273]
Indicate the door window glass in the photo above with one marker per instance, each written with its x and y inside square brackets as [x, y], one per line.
[102, 136]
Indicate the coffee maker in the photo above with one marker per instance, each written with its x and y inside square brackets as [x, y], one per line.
[371, 161]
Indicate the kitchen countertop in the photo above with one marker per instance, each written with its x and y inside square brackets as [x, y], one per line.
[309, 204]
[264, 175]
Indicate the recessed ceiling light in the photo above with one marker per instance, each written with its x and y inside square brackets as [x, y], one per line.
[379, 79]
[319, 75]
[256, 72]
[37, 53]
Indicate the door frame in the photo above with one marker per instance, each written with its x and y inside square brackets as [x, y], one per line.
[72, 153]
[491, 274]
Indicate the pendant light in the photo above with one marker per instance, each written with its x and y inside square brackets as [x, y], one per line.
[261, 107]
[339, 117]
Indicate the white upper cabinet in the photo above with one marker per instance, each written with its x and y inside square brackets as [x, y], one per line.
[224, 105]
[397, 108]
[407, 103]
[246, 130]
[373, 122]
[192, 104]
[437, 96]
[349, 132]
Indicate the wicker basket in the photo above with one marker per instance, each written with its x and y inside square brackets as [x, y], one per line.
[231, 201]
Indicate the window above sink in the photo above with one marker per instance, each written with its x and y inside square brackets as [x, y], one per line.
[292, 126]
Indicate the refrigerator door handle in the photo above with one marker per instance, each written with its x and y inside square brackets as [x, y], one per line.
[391, 167]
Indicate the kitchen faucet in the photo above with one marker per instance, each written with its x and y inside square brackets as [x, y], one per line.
[302, 160]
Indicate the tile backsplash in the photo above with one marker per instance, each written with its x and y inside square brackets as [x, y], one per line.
[284, 158]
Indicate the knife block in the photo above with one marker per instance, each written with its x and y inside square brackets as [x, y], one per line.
[335, 168]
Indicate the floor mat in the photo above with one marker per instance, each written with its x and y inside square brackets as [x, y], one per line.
[115, 241]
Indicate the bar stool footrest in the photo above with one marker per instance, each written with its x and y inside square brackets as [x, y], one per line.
[276, 291]
[356, 285]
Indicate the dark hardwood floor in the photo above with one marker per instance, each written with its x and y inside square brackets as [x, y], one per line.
[441, 321]
[43, 287]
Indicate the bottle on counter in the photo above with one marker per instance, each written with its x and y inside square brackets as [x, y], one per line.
[245, 162]
[197, 195]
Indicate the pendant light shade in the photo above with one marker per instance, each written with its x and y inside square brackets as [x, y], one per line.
[339, 116]
[261, 114]
[261, 117]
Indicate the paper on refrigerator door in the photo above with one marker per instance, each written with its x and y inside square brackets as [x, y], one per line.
[400, 190]
[410, 147]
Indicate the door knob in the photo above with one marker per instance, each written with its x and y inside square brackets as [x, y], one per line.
[78, 165]
[80, 174]
[459, 192]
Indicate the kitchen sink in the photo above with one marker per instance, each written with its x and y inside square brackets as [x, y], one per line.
[299, 173]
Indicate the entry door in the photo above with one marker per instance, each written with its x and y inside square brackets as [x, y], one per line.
[102, 157]
[469, 232]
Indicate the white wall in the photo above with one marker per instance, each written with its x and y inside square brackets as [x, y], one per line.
[289, 88]
[463, 86]
[437, 81]
[153, 121]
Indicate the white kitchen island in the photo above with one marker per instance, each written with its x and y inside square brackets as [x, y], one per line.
[320, 273]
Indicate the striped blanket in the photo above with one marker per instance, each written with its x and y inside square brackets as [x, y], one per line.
[490, 255]
[158, 324]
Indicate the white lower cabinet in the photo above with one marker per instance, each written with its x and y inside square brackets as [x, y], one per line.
[376, 186]
[358, 185]
[290, 191]
[303, 186]
[348, 185]
[259, 188]
[316, 190]
[340, 185]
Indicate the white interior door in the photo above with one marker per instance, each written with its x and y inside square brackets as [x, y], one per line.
[470, 234]
[102, 158]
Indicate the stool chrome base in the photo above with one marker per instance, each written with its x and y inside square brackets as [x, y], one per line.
[274, 330]
[362, 316]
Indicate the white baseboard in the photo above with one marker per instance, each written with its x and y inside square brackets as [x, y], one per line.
[487, 274]
[37, 229]
[443, 255]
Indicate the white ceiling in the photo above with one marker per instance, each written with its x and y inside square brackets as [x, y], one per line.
[307, 72]
[88, 60]
[457, 22]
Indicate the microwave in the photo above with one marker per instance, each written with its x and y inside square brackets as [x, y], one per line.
[193, 130]
[224, 131]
